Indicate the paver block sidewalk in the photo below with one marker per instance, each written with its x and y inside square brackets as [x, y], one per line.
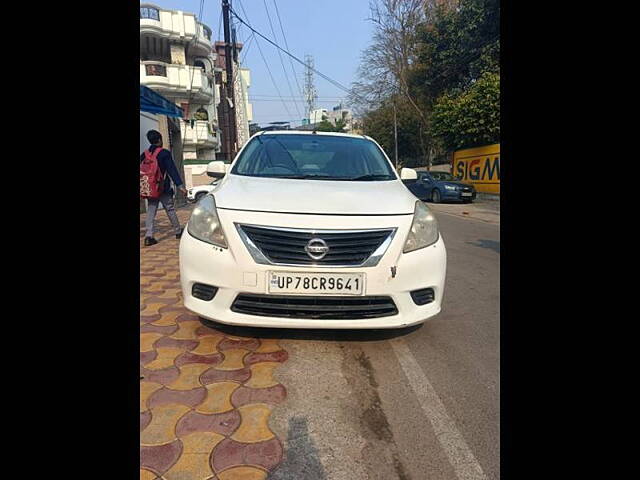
[206, 397]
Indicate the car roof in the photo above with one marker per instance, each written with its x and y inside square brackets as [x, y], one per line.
[308, 132]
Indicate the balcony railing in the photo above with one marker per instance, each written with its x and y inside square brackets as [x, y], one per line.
[201, 134]
[176, 80]
[175, 25]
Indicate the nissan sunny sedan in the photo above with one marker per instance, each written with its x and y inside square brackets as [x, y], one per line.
[312, 230]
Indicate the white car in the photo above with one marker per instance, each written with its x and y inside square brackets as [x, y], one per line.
[194, 194]
[312, 230]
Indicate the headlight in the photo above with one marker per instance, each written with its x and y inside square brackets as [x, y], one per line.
[450, 187]
[204, 223]
[424, 229]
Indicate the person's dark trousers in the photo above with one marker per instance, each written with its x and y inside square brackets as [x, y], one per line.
[152, 208]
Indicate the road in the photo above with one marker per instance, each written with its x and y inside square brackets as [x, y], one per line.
[247, 403]
[419, 404]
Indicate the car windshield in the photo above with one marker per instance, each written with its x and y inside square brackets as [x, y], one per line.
[443, 176]
[313, 157]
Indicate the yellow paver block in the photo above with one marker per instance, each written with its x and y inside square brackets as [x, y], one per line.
[187, 330]
[233, 359]
[146, 389]
[190, 466]
[208, 344]
[201, 442]
[262, 375]
[169, 294]
[189, 377]
[162, 427]
[168, 318]
[165, 359]
[147, 340]
[268, 345]
[243, 473]
[218, 398]
[254, 426]
[147, 475]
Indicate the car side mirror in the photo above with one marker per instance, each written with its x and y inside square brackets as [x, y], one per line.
[408, 174]
[216, 169]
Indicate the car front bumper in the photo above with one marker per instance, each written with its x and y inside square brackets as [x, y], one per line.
[233, 271]
[457, 196]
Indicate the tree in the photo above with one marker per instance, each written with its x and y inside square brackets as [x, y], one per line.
[470, 118]
[378, 124]
[326, 126]
[457, 48]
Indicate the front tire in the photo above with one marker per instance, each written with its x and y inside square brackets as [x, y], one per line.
[435, 196]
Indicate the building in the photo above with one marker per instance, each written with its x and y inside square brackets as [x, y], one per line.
[332, 116]
[243, 109]
[177, 61]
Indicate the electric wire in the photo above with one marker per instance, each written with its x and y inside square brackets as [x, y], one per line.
[286, 44]
[275, 85]
[286, 74]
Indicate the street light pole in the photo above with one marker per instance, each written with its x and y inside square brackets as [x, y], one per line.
[395, 132]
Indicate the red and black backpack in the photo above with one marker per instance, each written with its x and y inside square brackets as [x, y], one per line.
[151, 178]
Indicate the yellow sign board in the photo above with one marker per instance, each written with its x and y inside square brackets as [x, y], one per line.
[479, 166]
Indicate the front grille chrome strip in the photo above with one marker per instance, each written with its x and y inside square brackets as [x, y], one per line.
[260, 258]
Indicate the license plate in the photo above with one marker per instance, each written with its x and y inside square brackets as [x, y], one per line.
[316, 283]
[467, 194]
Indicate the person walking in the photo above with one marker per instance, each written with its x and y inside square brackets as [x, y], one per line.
[167, 171]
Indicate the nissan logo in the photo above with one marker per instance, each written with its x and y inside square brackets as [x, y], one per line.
[316, 248]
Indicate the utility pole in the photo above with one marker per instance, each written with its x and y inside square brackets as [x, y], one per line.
[395, 132]
[232, 135]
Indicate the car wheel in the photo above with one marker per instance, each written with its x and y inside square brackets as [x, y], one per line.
[435, 196]
[199, 195]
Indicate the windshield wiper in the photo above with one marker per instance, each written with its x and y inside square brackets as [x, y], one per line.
[310, 177]
[371, 177]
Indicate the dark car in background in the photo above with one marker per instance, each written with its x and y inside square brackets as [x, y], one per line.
[440, 187]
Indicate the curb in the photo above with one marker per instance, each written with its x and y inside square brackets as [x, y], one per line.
[488, 196]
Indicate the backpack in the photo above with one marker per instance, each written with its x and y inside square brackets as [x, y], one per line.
[151, 178]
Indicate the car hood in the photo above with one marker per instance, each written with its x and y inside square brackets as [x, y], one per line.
[314, 196]
[457, 184]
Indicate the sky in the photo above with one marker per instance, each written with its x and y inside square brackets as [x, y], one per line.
[334, 32]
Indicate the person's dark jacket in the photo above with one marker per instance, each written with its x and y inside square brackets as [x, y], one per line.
[165, 162]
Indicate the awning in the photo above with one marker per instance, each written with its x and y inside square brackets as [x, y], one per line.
[153, 102]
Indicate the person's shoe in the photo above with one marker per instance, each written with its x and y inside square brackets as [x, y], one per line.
[148, 241]
[179, 235]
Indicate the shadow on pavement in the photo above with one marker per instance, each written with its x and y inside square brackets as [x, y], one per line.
[488, 244]
[335, 335]
[302, 461]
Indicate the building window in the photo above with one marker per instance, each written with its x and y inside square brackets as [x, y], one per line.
[155, 70]
[198, 63]
[150, 13]
[201, 114]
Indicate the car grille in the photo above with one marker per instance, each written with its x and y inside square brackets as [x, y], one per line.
[466, 189]
[327, 308]
[287, 246]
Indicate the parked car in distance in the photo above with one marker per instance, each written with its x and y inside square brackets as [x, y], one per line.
[196, 193]
[440, 187]
[312, 230]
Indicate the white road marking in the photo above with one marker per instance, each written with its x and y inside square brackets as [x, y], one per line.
[462, 460]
